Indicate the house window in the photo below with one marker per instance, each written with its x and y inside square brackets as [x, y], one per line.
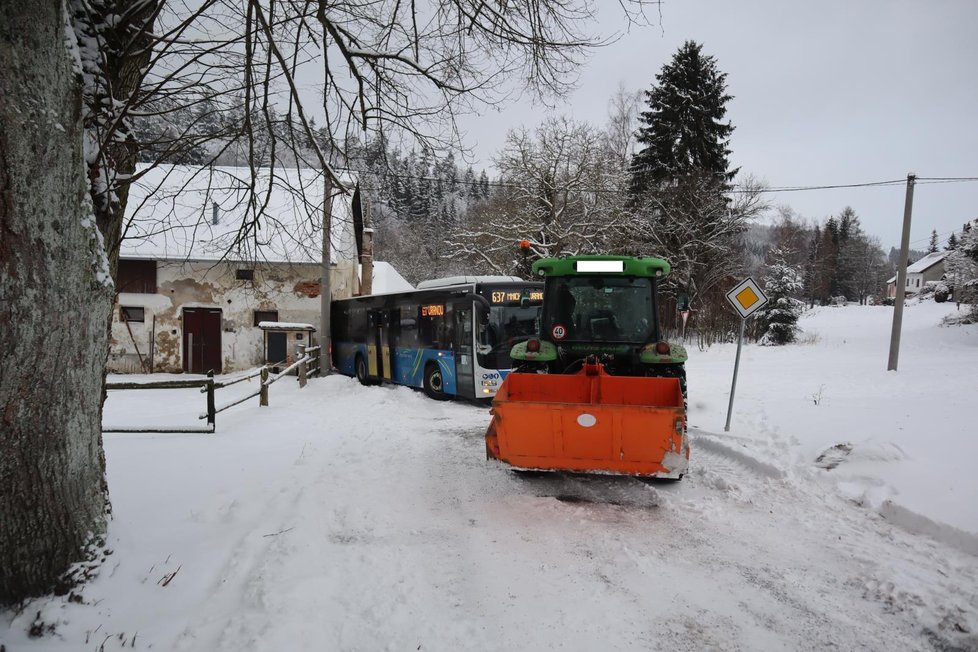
[245, 275]
[132, 313]
[265, 315]
[137, 276]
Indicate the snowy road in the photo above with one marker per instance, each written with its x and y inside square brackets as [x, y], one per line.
[352, 518]
[417, 542]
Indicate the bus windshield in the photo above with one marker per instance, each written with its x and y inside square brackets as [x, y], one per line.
[513, 318]
[601, 309]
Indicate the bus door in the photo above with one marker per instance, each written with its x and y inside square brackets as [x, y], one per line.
[463, 348]
[379, 344]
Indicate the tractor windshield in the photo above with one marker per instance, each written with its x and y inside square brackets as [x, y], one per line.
[600, 309]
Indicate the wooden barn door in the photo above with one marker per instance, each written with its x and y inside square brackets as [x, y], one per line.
[202, 340]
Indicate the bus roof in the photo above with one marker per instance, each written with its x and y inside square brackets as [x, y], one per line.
[618, 265]
[466, 280]
[461, 286]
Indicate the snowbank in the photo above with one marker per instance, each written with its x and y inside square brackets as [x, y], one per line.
[913, 432]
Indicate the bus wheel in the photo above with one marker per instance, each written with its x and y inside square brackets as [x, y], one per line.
[361, 369]
[434, 383]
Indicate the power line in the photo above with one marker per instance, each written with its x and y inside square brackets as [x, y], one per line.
[870, 184]
[734, 189]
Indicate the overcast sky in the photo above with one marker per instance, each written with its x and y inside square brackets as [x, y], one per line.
[824, 93]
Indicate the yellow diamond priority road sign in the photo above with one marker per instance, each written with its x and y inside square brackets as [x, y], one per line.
[746, 298]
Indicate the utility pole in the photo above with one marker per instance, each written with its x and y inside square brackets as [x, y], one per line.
[325, 291]
[901, 280]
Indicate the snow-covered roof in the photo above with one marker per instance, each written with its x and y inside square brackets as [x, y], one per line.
[171, 208]
[462, 280]
[386, 279]
[924, 263]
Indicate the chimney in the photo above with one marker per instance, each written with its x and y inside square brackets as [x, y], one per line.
[367, 263]
[215, 214]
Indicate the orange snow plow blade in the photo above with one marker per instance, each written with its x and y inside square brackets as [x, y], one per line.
[590, 422]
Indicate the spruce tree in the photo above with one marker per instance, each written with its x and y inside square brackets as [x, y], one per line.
[682, 132]
[932, 247]
[679, 182]
[779, 317]
[952, 243]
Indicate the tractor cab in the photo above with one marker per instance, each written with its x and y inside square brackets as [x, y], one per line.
[601, 306]
[600, 314]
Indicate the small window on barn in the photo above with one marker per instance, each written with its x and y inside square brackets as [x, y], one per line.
[245, 275]
[265, 315]
[132, 313]
[137, 276]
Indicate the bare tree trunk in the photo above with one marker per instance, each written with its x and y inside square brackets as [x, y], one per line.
[55, 293]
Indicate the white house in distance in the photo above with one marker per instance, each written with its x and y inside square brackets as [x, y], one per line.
[193, 286]
[928, 268]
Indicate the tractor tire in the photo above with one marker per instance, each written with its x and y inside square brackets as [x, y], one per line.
[434, 383]
[360, 365]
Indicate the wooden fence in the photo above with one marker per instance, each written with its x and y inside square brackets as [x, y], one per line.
[308, 364]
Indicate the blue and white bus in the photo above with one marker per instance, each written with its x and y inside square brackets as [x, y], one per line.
[450, 337]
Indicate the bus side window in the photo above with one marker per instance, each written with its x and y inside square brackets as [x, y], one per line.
[358, 324]
[427, 330]
[446, 330]
[408, 333]
[341, 324]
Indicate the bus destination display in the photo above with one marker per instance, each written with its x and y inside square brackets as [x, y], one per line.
[504, 297]
[435, 310]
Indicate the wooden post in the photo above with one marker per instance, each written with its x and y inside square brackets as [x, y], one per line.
[211, 408]
[302, 365]
[263, 391]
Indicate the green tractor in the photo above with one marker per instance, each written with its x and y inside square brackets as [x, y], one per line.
[602, 306]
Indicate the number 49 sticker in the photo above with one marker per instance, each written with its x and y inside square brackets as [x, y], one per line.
[559, 331]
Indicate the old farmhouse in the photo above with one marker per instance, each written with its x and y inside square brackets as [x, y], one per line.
[198, 272]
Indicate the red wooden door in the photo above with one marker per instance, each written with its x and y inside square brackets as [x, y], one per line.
[202, 340]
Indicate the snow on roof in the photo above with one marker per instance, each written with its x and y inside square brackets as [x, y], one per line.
[171, 208]
[462, 280]
[386, 279]
[924, 263]
[285, 325]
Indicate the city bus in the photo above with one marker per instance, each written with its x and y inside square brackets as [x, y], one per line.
[450, 337]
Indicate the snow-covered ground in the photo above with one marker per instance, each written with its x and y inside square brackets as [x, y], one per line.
[352, 518]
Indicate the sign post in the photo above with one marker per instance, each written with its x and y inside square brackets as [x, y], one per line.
[746, 298]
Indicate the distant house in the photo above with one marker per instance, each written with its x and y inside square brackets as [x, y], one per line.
[928, 268]
[192, 290]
